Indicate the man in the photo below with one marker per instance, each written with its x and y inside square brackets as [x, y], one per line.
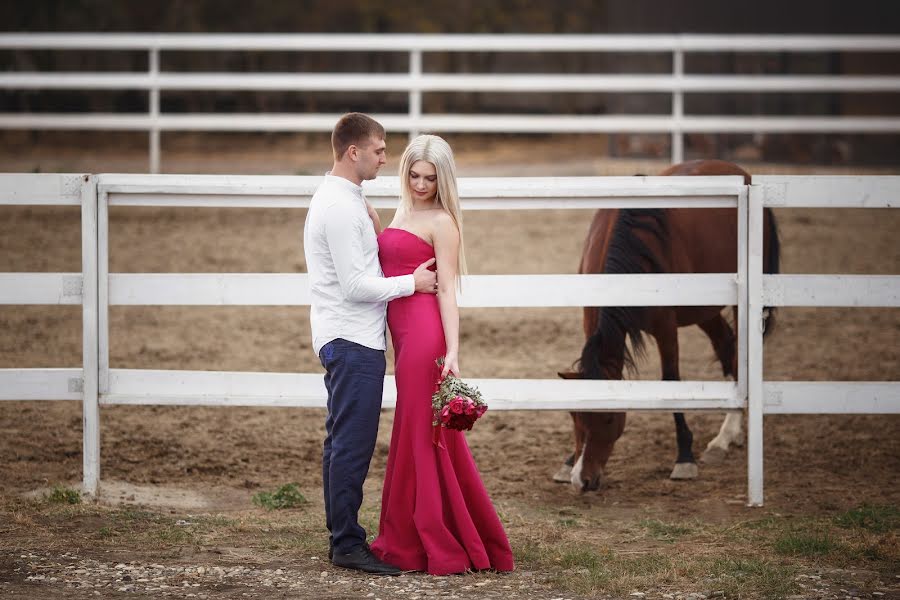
[347, 317]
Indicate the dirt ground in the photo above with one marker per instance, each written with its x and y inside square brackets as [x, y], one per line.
[210, 461]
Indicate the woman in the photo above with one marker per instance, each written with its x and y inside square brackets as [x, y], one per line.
[436, 515]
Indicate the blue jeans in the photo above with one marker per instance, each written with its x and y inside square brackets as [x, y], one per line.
[354, 378]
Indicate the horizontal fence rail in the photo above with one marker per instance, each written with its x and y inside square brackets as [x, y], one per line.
[96, 289]
[41, 288]
[484, 291]
[415, 82]
[477, 193]
[41, 384]
[453, 42]
[208, 388]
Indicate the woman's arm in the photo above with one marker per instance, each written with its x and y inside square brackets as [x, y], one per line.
[446, 250]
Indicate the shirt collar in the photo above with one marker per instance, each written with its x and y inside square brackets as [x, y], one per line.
[344, 183]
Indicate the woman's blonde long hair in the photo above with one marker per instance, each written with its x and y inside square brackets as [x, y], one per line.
[434, 149]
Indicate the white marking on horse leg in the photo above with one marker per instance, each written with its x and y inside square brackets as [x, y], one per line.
[731, 432]
[734, 423]
[576, 473]
[564, 474]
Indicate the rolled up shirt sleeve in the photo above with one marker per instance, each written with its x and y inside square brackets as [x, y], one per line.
[345, 244]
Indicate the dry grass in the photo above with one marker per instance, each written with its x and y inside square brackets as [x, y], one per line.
[759, 558]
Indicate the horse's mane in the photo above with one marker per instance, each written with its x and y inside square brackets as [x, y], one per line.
[627, 253]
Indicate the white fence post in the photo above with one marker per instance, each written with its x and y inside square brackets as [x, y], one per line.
[677, 107]
[755, 400]
[90, 380]
[742, 320]
[154, 109]
[415, 94]
[103, 290]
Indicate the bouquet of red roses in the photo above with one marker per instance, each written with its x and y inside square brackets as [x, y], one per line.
[456, 404]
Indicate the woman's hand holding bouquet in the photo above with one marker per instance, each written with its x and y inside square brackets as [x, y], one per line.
[456, 404]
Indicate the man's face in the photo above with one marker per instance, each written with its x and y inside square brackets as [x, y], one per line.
[371, 156]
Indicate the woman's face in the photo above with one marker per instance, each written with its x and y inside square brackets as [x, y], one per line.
[422, 181]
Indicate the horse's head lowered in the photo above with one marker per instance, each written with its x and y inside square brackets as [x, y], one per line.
[595, 432]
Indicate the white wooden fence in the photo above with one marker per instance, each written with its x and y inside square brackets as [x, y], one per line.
[95, 288]
[415, 82]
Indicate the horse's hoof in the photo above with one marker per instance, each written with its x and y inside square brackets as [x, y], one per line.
[713, 456]
[563, 475]
[684, 471]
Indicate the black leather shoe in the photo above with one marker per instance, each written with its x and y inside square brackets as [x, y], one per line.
[362, 559]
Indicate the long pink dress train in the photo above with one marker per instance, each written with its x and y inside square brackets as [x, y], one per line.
[436, 515]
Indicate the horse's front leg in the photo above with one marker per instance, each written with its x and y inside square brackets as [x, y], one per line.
[731, 432]
[667, 341]
[685, 465]
[564, 473]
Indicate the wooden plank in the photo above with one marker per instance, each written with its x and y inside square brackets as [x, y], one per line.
[448, 82]
[47, 189]
[743, 314]
[103, 285]
[792, 124]
[832, 397]
[90, 339]
[40, 384]
[453, 123]
[454, 42]
[283, 289]
[755, 454]
[212, 388]
[699, 289]
[830, 191]
[831, 290]
[40, 288]
[209, 289]
[390, 203]
[477, 193]
[122, 189]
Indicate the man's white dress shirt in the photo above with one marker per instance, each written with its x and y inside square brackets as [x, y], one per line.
[349, 291]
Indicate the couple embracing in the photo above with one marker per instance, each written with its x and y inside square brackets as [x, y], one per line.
[436, 515]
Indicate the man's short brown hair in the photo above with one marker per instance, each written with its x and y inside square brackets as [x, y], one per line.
[354, 129]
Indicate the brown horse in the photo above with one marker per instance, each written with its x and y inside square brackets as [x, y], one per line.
[672, 240]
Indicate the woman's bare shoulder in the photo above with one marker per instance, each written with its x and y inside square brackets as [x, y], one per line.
[443, 226]
[440, 216]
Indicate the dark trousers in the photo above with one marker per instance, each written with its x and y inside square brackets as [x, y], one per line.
[354, 378]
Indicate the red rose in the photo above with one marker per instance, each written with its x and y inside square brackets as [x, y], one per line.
[457, 405]
[445, 415]
[470, 408]
[480, 410]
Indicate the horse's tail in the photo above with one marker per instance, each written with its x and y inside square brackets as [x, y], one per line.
[772, 266]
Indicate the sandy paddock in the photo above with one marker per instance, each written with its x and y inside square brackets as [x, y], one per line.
[215, 458]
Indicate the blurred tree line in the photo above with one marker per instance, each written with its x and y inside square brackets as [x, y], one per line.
[452, 16]
[448, 16]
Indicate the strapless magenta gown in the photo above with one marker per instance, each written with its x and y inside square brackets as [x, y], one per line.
[436, 515]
